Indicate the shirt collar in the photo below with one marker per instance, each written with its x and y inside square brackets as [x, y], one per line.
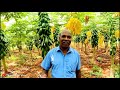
[69, 51]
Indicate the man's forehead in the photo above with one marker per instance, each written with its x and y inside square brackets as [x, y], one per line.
[66, 32]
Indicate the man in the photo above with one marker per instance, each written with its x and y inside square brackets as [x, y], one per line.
[63, 60]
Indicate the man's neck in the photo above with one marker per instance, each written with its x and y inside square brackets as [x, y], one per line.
[64, 50]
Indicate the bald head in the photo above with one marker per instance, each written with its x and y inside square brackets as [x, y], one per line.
[65, 30]
[65, 38]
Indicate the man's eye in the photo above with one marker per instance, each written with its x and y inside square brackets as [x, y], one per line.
[63, 36]
[69, 37]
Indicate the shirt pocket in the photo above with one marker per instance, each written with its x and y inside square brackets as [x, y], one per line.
[71, 65]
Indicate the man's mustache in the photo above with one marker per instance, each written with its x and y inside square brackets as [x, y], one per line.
[65, 41]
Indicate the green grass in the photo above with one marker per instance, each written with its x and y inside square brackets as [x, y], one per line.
[117, 71]
[96, 71]
[22, 58]
[12, 57]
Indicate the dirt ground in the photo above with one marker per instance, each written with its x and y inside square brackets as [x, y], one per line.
[25, 66]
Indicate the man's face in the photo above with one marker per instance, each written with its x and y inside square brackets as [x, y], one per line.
[65, 39]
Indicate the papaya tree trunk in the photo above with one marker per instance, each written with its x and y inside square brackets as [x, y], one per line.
[53, 45]
[93, 60]
[112, 67]
[97, 47]
[74, 45]
[4, 65]
[31, 53]
[106, 47]
[82, 47]
[38, 52]
[85, 49]
[78, 44]
[78, 47]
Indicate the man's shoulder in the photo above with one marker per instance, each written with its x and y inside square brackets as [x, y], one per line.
[74, 50]
[53, 49]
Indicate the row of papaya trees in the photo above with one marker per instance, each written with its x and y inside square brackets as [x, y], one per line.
[85, 30]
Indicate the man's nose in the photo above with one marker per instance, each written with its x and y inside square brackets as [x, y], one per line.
[66, 38]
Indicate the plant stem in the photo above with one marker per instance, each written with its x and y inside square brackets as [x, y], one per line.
[112, 67]
[31, 53]
[85, 49]
[4, 65]
[93, 55]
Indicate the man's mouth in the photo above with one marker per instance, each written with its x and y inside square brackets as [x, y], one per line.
[65, 42]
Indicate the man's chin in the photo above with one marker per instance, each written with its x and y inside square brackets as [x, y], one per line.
[65, 46]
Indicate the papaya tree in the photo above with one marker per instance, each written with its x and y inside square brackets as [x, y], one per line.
[18, 31]
[55, 35]
[113, 41]
[117, 35]
[3, 50]
[83, 37]
[37, 43]
[113, 24]
[112, 53]
[94, 43]
[44, 33]
[100, 40]
[74, 25]
[86, 19]
[9, 15]
[52, 36]
[87, 40]
[106, 40]
[29, 44]
[77, 40]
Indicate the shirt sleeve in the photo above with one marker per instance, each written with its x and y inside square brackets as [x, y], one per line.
[79, 63]
[46, 63]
